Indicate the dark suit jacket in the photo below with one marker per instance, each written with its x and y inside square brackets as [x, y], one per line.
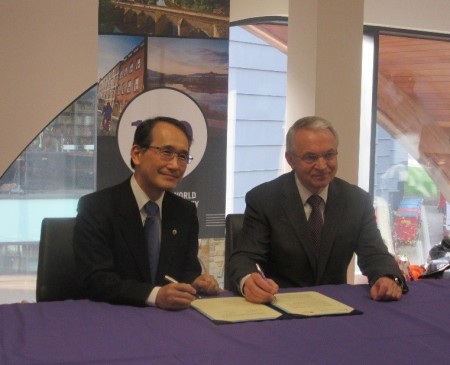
[110, 246]
[275, 234]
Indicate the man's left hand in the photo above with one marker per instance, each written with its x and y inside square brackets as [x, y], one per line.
[385, 289]
[207, 284]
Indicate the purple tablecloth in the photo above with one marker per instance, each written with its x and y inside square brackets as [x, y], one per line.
[415, 330]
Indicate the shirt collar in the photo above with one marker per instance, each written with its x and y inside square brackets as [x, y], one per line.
[141, 197]
[305, 193]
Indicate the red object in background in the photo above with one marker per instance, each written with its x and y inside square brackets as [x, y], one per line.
[410, 272]
[406, 226]
[407, 221]
[415, 271]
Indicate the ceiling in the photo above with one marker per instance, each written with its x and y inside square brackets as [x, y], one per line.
[417, 69]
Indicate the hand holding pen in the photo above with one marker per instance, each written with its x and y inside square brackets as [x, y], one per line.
[173, 281]
[258, 288]
[175, 296]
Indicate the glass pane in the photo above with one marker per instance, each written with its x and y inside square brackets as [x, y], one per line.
[46, 180]
[411, 176]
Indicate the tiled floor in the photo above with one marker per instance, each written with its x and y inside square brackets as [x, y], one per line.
[17, 288]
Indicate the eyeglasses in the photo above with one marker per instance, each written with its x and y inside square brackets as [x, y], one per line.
[167, 154]
[311, 158]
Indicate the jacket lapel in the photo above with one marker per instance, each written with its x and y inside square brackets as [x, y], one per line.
[131, 229]
[333, 213]
[171, 227]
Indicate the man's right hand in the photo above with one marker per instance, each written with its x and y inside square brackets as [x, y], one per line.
[175, 296]
[259, 290]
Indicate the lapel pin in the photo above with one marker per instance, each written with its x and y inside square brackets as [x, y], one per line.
[174, 232]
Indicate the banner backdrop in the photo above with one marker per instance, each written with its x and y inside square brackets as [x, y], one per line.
[170, 58]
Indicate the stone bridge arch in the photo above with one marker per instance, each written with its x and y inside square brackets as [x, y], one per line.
[156, 21]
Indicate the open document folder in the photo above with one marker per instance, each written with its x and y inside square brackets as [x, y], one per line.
[286, 305]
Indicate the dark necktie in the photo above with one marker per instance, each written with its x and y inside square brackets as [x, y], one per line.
[151, 228]
[315, 220]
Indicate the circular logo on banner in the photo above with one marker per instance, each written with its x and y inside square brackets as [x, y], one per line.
[168, 103]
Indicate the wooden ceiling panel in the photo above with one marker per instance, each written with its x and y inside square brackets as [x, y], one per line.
[414, 98]
[420, 68]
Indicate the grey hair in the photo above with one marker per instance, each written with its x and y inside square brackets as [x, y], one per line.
[311, 122]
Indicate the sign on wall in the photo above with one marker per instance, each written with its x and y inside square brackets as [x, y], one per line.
[167, 58]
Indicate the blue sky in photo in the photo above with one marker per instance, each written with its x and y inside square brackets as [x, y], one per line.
[112, 49]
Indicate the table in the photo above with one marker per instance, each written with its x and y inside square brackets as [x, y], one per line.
[415, 330]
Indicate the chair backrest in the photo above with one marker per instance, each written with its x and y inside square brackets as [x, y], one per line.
[233, 226]
[57, 277]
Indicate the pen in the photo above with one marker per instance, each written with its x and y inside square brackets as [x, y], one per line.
[261, 272]
[173, 281]
[263, 276]
[170, 279]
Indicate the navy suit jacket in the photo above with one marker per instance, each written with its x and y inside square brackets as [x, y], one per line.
[110, 248]
[275, 234]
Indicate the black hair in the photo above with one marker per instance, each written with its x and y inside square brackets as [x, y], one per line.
[143, 132]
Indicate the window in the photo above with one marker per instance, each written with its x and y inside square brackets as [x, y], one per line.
[136, 85]
[411, 159]
[138, 64]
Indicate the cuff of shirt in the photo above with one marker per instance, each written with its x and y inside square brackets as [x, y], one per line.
[241, 284]
[151, 300]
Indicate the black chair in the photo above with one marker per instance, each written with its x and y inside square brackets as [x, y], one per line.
[233, 226]
[57, 277]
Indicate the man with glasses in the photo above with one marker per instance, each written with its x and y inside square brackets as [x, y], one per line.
[303, 228]
[130, 239]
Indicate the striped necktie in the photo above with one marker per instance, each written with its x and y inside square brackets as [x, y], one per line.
[315, 220]
[151, 228]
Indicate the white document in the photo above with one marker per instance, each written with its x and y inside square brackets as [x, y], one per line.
[310, 303]
[234, 309]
